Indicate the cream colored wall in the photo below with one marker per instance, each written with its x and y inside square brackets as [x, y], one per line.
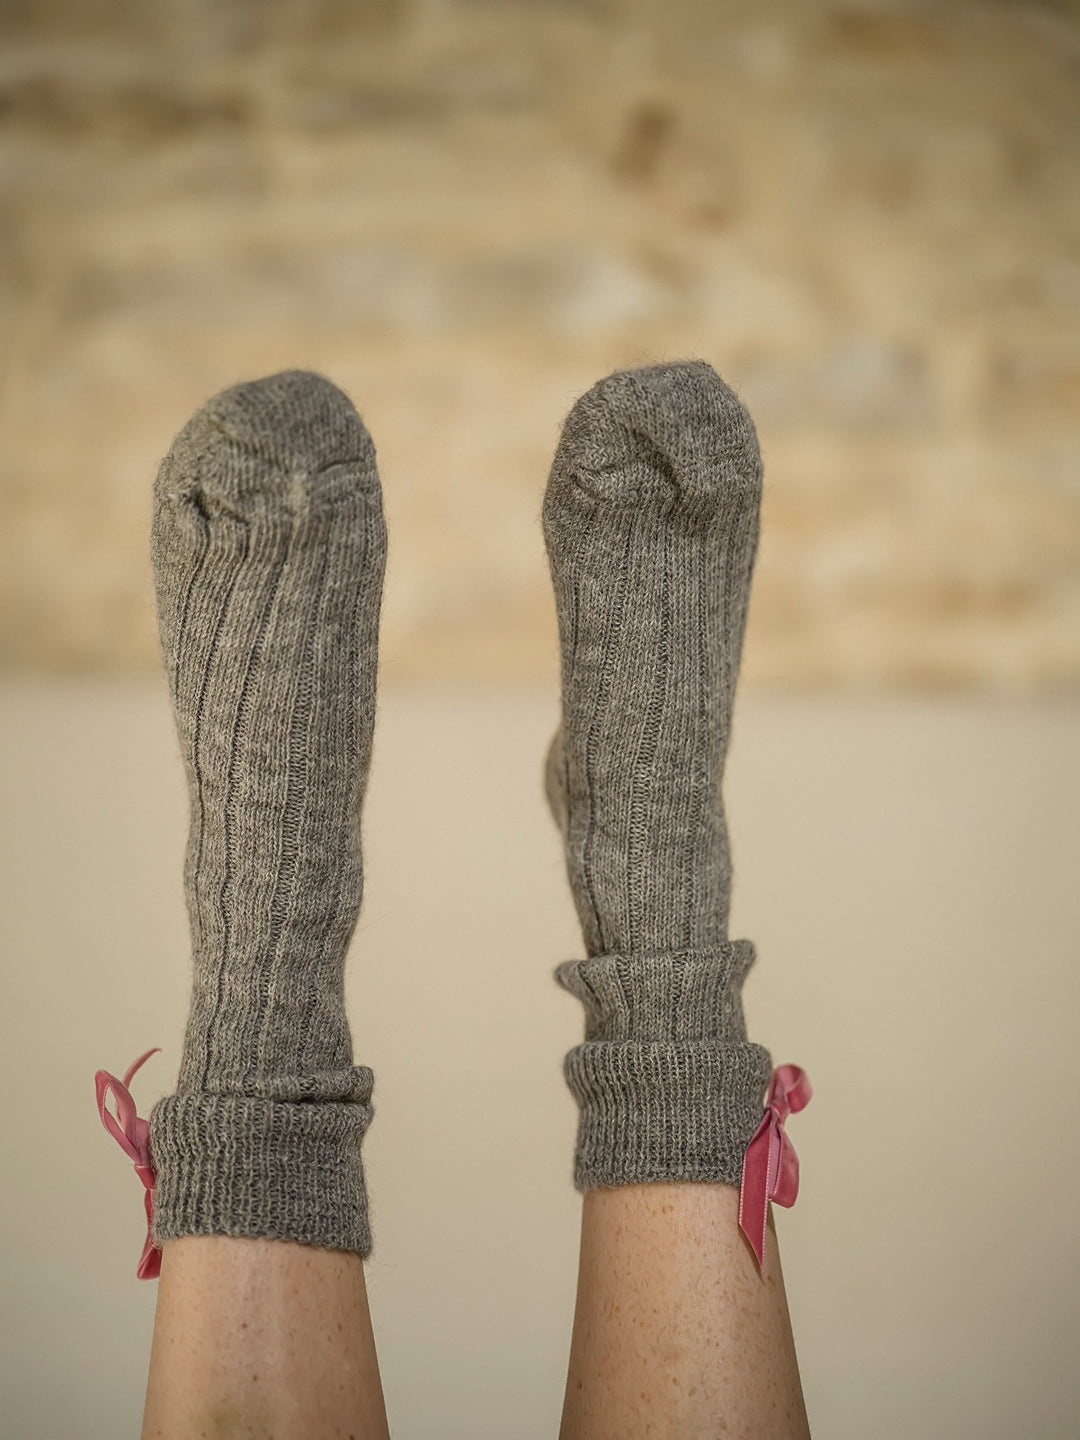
[908, 871]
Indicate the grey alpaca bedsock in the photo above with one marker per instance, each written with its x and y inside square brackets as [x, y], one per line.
[651, 524]
[268, 547]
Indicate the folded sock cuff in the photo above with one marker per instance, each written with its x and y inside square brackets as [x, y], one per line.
[241, 1165]
[666, 1110]
[668, 1086]
[678, 995]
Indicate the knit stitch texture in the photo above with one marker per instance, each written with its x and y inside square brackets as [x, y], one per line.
[651, 524]
[268, 546]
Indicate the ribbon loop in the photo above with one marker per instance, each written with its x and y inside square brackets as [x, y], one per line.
[770, 1164]
[132, 1133]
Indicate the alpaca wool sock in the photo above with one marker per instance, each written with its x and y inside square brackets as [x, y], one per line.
[268, 546]
[651, 523]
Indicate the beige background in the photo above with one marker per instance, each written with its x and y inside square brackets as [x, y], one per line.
[865, 213]
[909, 872]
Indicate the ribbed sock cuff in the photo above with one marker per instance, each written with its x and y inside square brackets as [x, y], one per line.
[665, 1110]
[668, 1086]
[283, 1170]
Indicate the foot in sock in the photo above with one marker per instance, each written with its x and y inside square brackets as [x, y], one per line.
[651, 524]
[268, 546]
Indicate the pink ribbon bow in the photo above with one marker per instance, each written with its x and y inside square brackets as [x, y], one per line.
[770, 1165]
[132, 1134]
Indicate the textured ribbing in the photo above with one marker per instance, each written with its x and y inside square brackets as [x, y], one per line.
[229, 1164]
[268, 545]
[651, 524]
[668, 1086]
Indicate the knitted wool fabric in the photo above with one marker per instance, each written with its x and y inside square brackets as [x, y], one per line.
[268, 547]
[651, 524]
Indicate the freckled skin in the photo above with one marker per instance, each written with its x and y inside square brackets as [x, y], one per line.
[702, 1346]
[262, 1340]
[676, 1335]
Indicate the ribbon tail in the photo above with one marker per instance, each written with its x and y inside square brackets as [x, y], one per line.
[785, 1188]
[149, 1266]
[139, 1063]
[754, 1192]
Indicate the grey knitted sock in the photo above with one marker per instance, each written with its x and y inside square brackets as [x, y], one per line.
[268, 546]
[651, 523]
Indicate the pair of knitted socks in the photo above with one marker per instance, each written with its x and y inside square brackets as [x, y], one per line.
[269, 546]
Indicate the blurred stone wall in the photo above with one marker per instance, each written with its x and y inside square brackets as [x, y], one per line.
[866, 216]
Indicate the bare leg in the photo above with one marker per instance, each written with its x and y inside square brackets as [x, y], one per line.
[676, 1334]
[256, 1339]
